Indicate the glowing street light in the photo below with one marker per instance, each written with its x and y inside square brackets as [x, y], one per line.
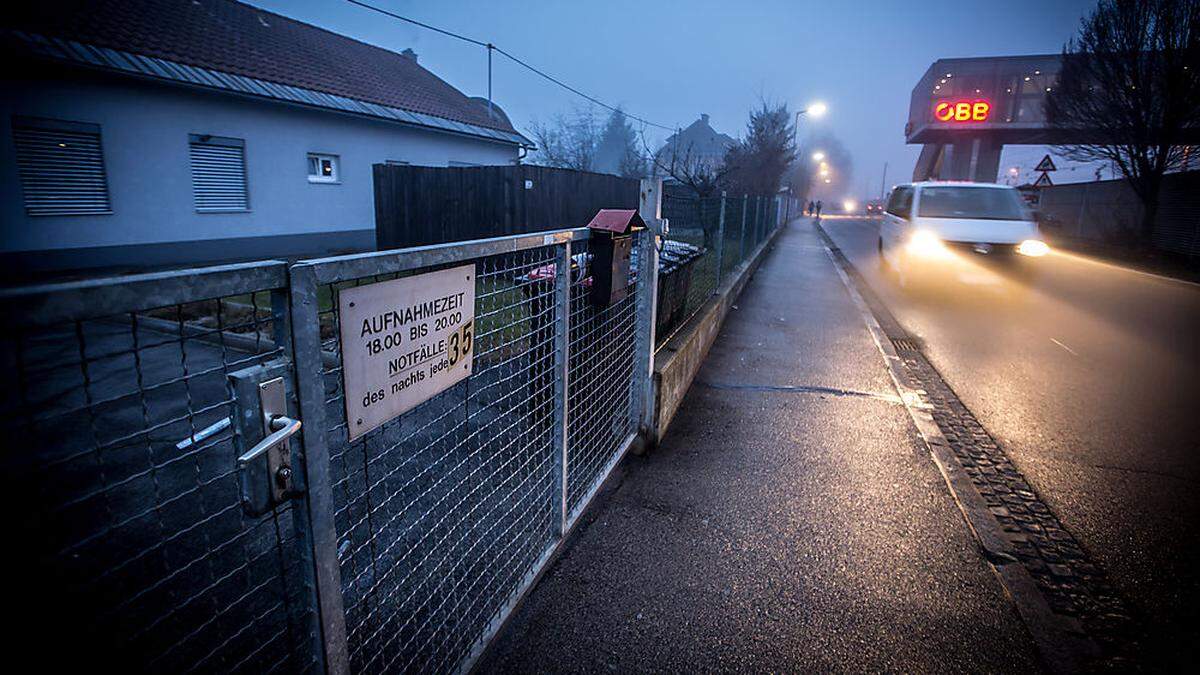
[818, 156]
[815, 109]
[849, 205]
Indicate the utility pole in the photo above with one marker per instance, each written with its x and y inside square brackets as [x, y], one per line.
[883, 182]
[490, 47]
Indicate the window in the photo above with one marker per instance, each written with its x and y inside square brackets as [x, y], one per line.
[971, 202]
[900, 203]
[61, 167]
[218, 173]
[322, 168]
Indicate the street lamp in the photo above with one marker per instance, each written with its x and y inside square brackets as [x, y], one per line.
[818, 156]
[816, 109]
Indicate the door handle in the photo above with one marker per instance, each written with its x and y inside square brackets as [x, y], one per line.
[282, 428]
[265, 470]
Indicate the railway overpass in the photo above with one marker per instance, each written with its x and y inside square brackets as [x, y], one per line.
[964, 111]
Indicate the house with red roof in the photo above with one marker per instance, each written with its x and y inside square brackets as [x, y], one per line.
[138, 133]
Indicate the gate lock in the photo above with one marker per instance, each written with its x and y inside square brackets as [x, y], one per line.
[265, 473]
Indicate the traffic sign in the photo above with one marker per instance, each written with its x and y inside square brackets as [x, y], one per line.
[1043, 181]
[1046, 164]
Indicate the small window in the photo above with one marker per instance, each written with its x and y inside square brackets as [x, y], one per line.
[322, 168]
[61, 166]
[900, 202]
[218, 174]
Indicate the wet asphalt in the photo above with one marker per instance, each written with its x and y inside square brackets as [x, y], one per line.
[1089, 377]
[791, 519]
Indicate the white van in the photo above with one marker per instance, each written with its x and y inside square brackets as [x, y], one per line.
[933, 226]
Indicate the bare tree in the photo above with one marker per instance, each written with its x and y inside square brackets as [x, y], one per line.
[1130, 80]
[567, 141]
[699, 172]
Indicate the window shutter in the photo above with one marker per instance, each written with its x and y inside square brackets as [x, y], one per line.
[219, 174]
[61, 167]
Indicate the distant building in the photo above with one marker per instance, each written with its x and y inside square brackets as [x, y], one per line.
[155, 132]
[699, 145]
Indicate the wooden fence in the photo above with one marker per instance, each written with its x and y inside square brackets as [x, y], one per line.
[419, 205]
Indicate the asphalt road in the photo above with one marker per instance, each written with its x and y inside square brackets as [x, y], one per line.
[1089, 376]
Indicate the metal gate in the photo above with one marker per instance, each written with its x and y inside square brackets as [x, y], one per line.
[178, 446]
[120, 460]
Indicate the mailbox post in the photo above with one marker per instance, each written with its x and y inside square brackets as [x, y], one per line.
[611, 247]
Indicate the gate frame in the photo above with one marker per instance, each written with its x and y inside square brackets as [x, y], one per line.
[46, 305]
[306, 278]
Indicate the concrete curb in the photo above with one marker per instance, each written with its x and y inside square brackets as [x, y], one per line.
[678, 361]
[1060, 640]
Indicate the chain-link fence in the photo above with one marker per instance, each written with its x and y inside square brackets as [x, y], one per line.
[707, 240]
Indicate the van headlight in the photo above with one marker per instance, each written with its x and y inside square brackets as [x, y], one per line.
[1034, 248]
[926, 244]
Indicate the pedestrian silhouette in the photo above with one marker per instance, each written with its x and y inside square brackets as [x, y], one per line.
[818, 214]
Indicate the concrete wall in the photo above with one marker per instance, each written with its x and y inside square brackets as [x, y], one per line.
[144, 133]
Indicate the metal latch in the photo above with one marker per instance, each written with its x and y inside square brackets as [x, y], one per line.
[265, 470]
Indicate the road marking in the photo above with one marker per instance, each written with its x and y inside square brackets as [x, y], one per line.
[1073, 352]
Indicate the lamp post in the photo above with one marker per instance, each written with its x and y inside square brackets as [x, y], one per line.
[816, 109]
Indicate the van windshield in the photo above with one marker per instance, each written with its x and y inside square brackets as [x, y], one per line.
[971, 202]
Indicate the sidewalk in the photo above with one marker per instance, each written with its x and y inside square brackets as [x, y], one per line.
[791, 519]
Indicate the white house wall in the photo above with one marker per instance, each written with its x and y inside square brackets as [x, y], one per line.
[144, 133]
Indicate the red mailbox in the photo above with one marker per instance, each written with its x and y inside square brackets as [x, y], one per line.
[611, 247]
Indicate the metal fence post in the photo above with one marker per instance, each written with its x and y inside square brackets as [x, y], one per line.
[562, 385]
[742, 238]
[721, 240]
[315, 510]
[757, 218]
[650, 209]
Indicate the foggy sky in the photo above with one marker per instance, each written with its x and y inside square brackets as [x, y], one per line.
[671, 61]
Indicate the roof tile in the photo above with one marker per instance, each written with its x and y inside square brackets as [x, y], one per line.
[240, 39]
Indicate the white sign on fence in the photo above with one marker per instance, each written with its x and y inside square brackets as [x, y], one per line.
[404, 341]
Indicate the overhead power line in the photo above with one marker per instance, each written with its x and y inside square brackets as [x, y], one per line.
[491, 47]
